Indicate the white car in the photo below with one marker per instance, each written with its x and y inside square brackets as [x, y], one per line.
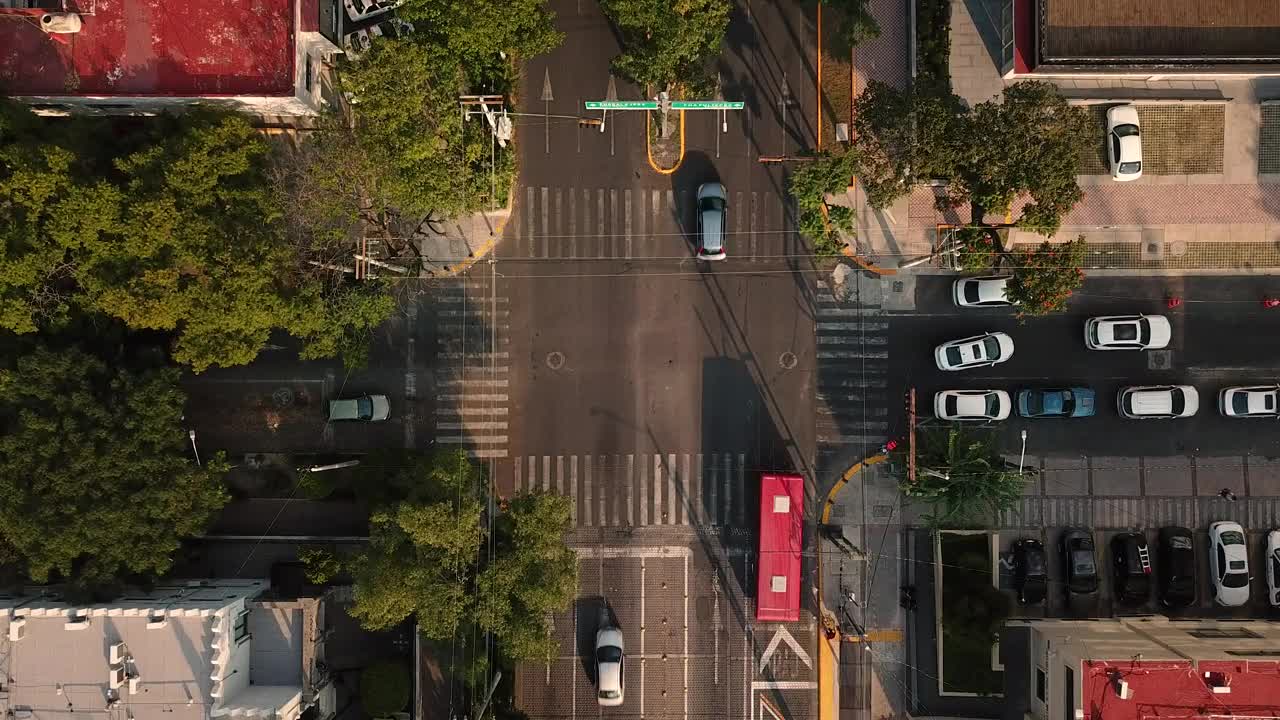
[1229, 564]
[1127, 332]
[972, 405]
[982, 291]
[1158, 402]
[1124, 143]
[1250, 401]
[609, 664]
[1273, 568]
[974, 352]
[363, 9]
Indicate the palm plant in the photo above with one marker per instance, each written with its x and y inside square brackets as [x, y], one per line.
[961, 475]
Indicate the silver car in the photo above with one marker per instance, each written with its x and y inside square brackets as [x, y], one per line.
[366, 408]
[610, 683]
[711, 221]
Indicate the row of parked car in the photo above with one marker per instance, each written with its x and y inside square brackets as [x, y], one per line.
[1136, 402]
[1108, 332]
[1132, 566]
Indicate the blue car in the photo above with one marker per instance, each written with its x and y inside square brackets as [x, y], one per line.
[1065, 402]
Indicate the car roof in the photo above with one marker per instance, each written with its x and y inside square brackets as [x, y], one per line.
[972, 404]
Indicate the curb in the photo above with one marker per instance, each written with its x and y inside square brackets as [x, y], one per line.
[648, 150]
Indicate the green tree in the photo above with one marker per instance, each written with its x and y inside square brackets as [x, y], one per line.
[808, 184]
[95, 480]
[669, 43]
[856, 23]
[1030, 143]
[384, 689]
[476, 30]
[1045, 277]
[960, 475]
[424, 557]
[903, 138]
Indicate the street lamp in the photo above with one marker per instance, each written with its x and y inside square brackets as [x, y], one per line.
[1023, 457]
[192, 434]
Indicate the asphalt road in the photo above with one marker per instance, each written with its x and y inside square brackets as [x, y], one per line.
[1221, 336]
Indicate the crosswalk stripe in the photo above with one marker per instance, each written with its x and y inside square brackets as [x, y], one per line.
[672, 479]
[657, 491]
[599, 239]
[755, 207]
[527, 236]
[714, 503]
[518, 481]
[688, 503]
[573, 489]
[546, 230]
[560, 475]
[631, 489]
[600, 509]
[729, 494]
[699, 503]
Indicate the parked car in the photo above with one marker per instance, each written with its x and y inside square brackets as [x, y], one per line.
[982, 291]
[1127, 332]
[1064, 402]
[610, 681]
[366, 408]
[1229, 563]
[974, 352]
[363, 9]
[1273, 568]
[972, 405]
[1157, 402]
[357, 43]
[1076, 546]
[1124, 142]
[1131, 560]
[1177, 567]
[1030, 571]
[1248, 401]
[711, 221]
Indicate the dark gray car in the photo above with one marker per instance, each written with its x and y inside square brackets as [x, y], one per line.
[1080, 559]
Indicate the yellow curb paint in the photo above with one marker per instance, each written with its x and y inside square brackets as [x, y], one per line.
[848, 475]
[648, 149]
[847, 252]
[827, 688]
[876, 636]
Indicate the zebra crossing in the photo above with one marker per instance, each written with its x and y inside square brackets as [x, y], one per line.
[1140, 512]
[702, 489]
[577, 223]
[853, 371]
[473, 364]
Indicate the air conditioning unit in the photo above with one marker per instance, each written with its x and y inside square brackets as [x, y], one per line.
[1123, 689]
[17, 629]
[117, 677]
[119, 651]
[135, 682]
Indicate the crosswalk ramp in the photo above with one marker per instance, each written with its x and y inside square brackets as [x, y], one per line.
[1140, 512]
[473, 365]
[691, 489]
[586, 223]
[853, 371]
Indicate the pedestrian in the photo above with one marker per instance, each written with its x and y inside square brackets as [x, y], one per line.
[1226, 494]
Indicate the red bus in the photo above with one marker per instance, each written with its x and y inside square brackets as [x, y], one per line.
[781, 543]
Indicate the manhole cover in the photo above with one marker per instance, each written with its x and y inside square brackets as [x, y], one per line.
[555, 360]
[1159, 360]
[787, 360]
[282, 397]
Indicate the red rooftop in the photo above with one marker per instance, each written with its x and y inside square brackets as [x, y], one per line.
[1178, 689]
[193, 48]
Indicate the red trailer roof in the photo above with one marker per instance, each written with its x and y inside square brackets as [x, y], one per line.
[781, 544]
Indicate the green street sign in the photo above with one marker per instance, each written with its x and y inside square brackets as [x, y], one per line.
[622, 105]
[706, 105]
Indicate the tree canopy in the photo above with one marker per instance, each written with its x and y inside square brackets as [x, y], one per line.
[666, 43]
[961, 475]
[96, 483]
[1030, 143]
[173, 227]
[428, 557]
[478, 30]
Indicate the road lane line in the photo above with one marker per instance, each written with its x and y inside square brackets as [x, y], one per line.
[631, 489]
[573, 489]
[657, 490]
[671, 489]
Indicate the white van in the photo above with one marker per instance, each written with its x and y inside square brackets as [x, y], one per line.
[1144, 402]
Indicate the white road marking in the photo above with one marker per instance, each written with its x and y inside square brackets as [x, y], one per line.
[631, 489]
[779, 636]
[686, 638]
[784, 685]
[658, 514]
[644, 551]
[573, 489]
[671, 489]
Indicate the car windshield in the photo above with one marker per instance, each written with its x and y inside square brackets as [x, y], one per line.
[608, 654]
[1235, 580]
[1275, 564]
[993, 405]
[1177, 402]
[953, 355]
[991, 348]
[1035, 403]
[610, 694]
[1126, 130]
[712, 203]
[1144, 325]
[951, 406]
[1129, 168]
[1240, 403]
[971, 292]
[1231, 537]
[1082, 562]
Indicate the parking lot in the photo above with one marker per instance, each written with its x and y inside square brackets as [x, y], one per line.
[692, 646]
[1104, 603]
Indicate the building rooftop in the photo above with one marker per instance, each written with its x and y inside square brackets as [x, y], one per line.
[1177, 689]
[1147, 31]
[194, 48]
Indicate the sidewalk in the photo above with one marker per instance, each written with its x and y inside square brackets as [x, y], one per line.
[452, 246]
[860, 591]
